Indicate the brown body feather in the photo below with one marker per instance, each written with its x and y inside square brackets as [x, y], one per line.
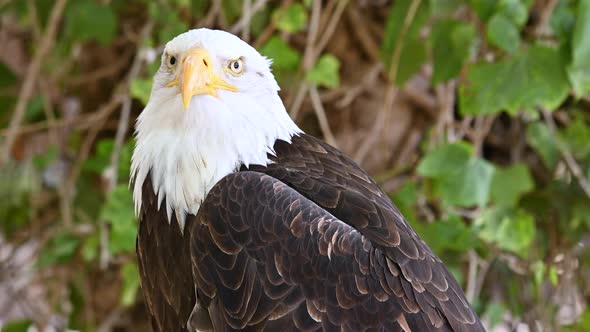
[306, 243]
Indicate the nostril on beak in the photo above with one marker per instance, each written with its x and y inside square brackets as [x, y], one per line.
[205, 63]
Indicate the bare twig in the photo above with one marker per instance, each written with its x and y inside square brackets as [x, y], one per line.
[362, 33]
[321, 115]
[569, 159]
[31, 78]
[126, 109]
[392, 89]
[298, 100]
[331, 27]
[244, 22]
[471, 276]
[84, 121]
[544, 17]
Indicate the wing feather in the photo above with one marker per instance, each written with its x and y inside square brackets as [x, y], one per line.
[291, 250]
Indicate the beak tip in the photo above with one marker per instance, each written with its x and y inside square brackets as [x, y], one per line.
[186, 102]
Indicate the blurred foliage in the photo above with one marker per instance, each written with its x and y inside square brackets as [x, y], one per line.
[505, 203]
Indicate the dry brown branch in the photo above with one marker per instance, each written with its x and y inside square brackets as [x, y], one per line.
[392, 90]
[569, 159]
[249, 10]
[83, 121]
[31, 77]
[543, 25]
[321, 115]
[362, 33]
[328, 31]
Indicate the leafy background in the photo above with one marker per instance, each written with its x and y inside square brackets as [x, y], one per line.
[473, 114]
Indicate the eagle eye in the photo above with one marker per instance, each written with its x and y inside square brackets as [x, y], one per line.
[236, 66]
[170, 61]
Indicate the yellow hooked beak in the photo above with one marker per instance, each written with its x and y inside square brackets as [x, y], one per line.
[197, 76]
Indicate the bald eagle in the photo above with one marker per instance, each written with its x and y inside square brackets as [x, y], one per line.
[247, 223]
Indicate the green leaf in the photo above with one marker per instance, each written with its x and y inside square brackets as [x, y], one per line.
[450, 234]
[169, 24]
[88, 20]
[577, 137]
[530, 79]
[563, 20]
[553, 276]
[515, 10]
[118, 210]
[325, 72]
[130, 277]
[283, 56]
[90, 248]
[444, 159]
[17, 326]
[579, 68]
[511, 230]
[538, 268]
[405, 199]
[503, 33]
[459, 178]
[7, 77]
[484, 8]
[509, 184]
[43, 160]
[59, 250]
[452, 42]
[101, 159]
[34, 109]
[141, 89]
[543, 141]
[291, 19]
[494, 313]
[413, 50]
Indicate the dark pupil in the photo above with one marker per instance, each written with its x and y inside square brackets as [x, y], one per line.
[236, 65]
[172, 60]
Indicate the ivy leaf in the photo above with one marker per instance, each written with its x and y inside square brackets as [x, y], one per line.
[509, 184]
[459, 178]
[495, 313]
[563, 20]
[444, 159]
[17, 326]
[503, 33]
[577, 137]
[291, 19]
[515, 10]
[413, 51]
[405, 199]
[7, 77]
[511, 230]
[541, 139]
[579, 69]
[325, 72]
[530, 79]
[88, 20]
[59, 250]
[450, 234]
[118, 211]
[141, 89]
[283, 56]
[130, 277]
[484, 8]
[452, 41]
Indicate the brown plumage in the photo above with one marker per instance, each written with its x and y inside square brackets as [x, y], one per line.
[307, 243]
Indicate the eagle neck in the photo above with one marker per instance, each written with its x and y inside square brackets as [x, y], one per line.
[186, 152]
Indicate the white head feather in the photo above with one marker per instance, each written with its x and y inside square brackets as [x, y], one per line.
[187, 151]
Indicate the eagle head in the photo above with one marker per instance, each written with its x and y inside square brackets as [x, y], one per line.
[214, 106]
